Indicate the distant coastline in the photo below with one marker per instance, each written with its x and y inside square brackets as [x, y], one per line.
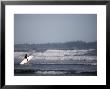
[56, 46]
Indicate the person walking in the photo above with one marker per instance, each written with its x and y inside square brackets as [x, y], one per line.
[26, 57]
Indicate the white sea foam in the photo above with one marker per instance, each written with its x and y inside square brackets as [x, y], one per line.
[50, 72]
[59, 55]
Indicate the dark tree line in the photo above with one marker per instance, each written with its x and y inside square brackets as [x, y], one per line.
[58, 46]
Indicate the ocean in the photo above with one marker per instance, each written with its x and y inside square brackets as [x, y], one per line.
[57, 63]
[55, 70]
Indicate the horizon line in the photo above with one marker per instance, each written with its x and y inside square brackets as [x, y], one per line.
[57, 42]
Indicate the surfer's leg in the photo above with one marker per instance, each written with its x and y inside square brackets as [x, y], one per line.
[27, 59]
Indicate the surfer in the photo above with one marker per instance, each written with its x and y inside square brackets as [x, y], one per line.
[26, 57]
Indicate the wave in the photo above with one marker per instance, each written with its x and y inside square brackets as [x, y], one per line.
[55, 72]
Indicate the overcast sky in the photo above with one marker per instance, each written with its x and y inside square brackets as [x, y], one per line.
[48, 28]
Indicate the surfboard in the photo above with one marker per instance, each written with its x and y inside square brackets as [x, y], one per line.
[25, 60]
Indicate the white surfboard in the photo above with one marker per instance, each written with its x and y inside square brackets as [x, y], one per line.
[25, 60]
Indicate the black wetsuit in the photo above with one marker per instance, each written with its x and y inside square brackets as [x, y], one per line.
[26, 56]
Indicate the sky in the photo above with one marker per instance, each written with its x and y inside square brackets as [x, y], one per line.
[52, 28]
